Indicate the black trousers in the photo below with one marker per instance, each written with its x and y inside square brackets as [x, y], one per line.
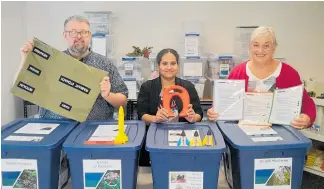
[144, 158]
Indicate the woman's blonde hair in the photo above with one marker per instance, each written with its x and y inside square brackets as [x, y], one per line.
[265, 31]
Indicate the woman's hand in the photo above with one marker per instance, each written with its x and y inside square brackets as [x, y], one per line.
[191, 115]
[211, 115]
[302, 122]
[161, 115]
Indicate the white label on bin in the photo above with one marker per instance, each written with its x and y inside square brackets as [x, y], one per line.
[192, 45]
[24, 138]
[194, 69]
[224, 70]
[266, 139]
[102, 173]
[189, 180]
[274, 173]
[38, 128]
[19, 173]
[129, 67]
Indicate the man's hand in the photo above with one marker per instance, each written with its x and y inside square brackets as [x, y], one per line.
[105, 87]
[302, 122]
[26, 48]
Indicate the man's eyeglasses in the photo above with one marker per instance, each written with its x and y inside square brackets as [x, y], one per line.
[74, 33]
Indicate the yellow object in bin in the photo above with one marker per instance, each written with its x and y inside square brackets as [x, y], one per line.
[208, 140]
[121, 137]
[195, 141]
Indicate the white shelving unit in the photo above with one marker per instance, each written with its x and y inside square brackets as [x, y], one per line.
[318, 101]
[313, 135]
[318, 136]
[315, 171]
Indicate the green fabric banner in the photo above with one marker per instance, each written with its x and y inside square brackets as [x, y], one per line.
[58, 82]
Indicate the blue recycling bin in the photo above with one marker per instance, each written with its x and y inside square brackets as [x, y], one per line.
[31, 152]
[176, 166]
[104, 165]
[274, 159]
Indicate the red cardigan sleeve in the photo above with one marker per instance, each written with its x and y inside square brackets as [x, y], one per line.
[309, 107]
[289, 77]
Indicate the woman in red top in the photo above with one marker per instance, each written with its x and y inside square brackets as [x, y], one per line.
[264, 74]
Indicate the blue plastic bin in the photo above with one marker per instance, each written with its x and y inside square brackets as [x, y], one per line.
[104, 158]
[249, 164]
[170, 161]
[37, 160]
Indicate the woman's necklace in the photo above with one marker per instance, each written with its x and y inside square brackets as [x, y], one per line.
[163, 86]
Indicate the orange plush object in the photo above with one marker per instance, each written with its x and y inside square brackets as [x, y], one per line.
[184, 96]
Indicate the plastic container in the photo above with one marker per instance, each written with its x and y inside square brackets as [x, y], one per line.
[31, 152]
[102, 165]
[184, 166]
[263, 161]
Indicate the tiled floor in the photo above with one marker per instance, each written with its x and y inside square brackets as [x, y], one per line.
[144, 180]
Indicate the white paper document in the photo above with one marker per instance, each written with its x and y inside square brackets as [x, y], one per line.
[102, 173]
[273, 173]
[193, 69]
[132, 89]
[37, 128]
[99, 45]
[20, 173]
[257, 130]
[186, 180]
[267, 139]
[105, 133]
[286, 105]
[24, 138]
[228, 99]
[257, 108]
[192, 45]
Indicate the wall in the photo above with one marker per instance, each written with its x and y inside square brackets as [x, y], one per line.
[299, 26]
[13, 35]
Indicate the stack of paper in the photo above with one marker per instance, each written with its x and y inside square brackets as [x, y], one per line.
[252, 108]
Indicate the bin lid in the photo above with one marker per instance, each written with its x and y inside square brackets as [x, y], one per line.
[94, 130]
[164, 137]
[31, 132]
[281, 137]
